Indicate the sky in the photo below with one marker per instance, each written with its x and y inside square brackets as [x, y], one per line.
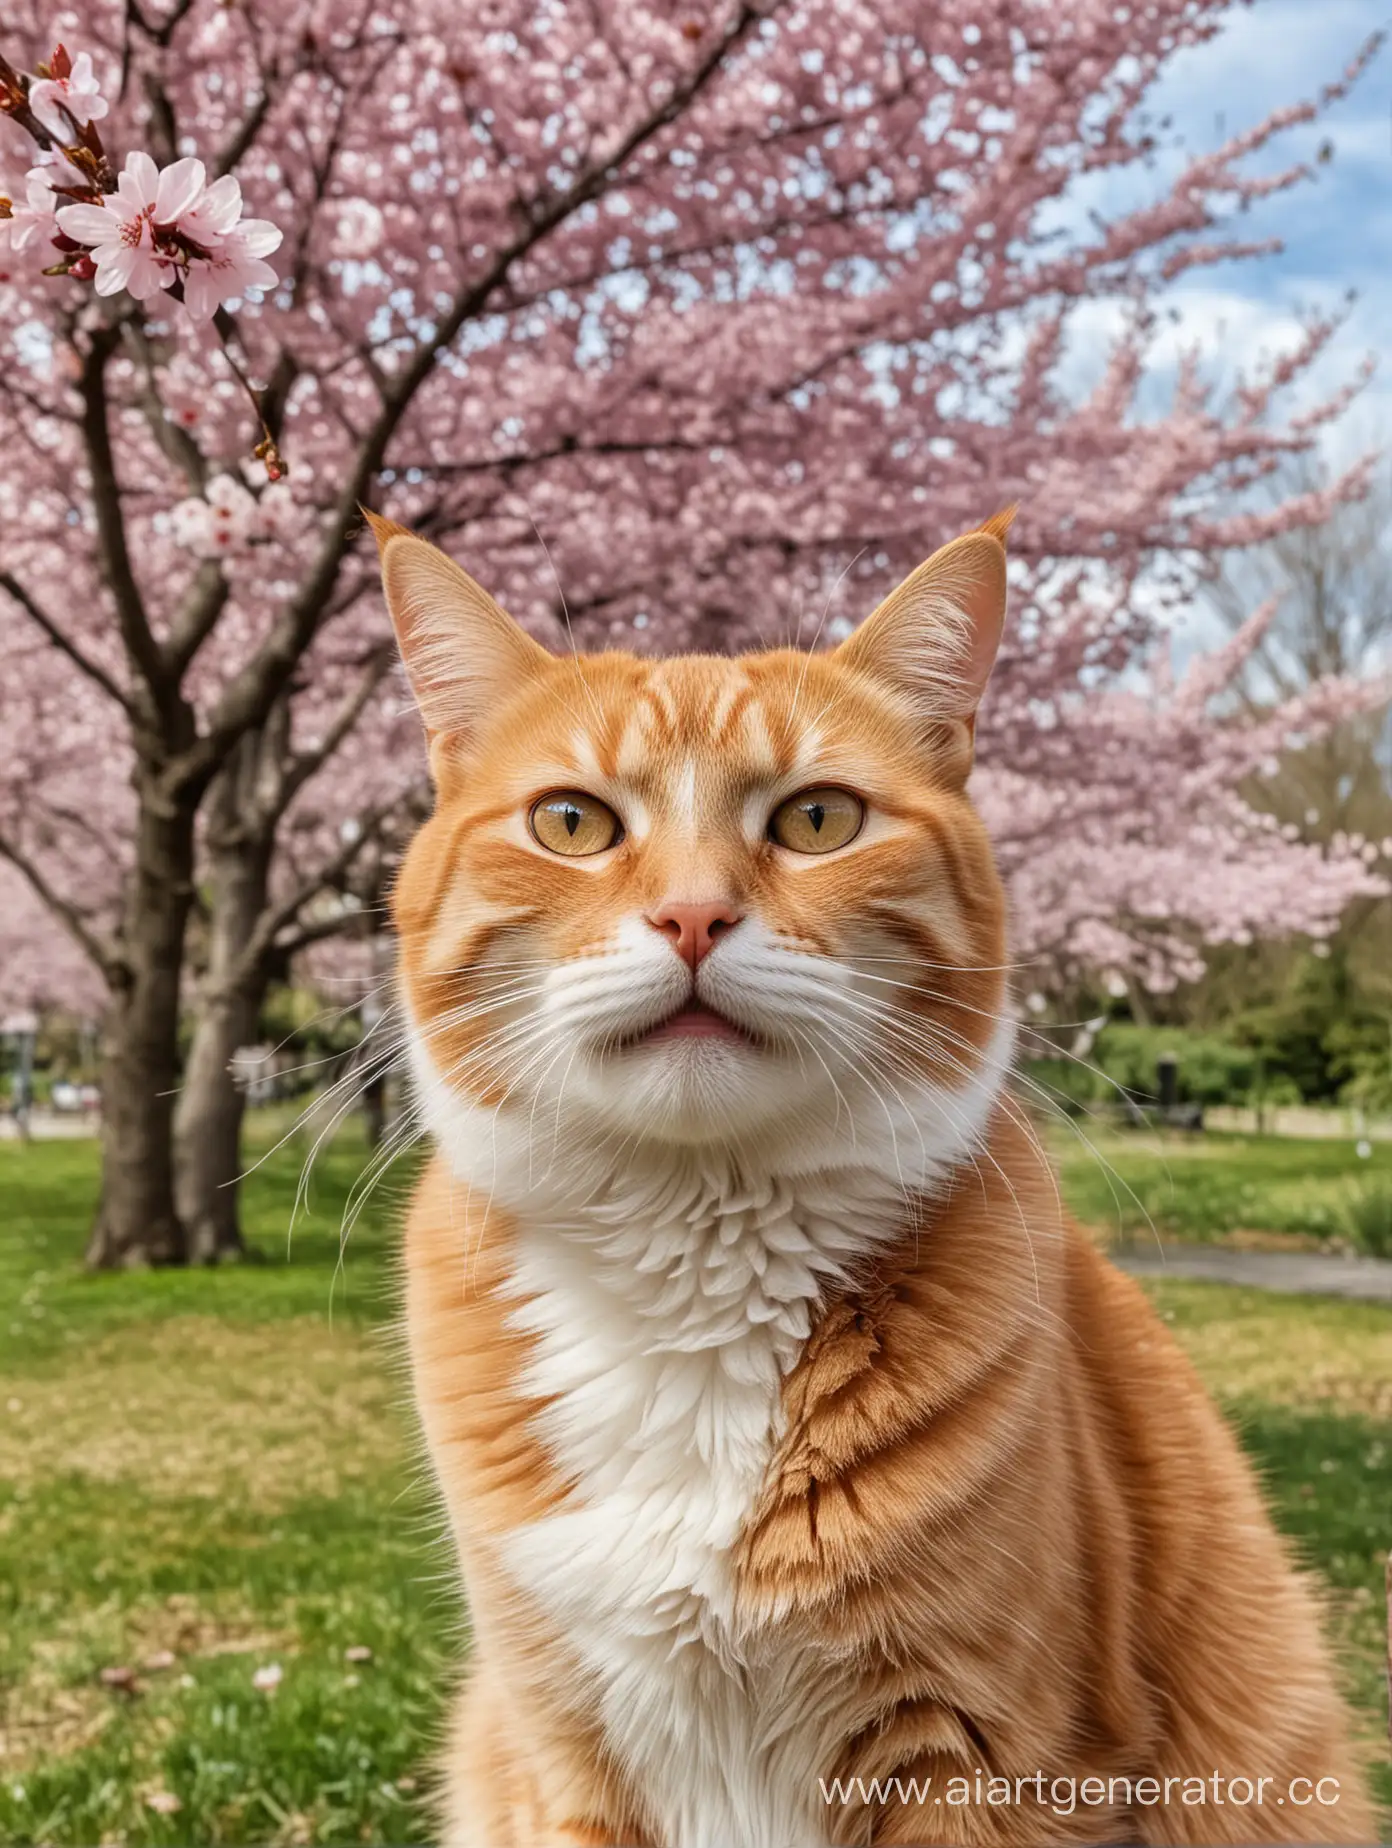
[1337, 230]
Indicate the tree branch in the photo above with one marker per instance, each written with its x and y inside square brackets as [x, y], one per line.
[141, 647]
[304, 764]
[64, 643]
[172, 438]
[164, 136]
[263, 941]
[316, 932]
[244, 134]
[566, 446]
[274, 398]
[207, 597]
[105, 955]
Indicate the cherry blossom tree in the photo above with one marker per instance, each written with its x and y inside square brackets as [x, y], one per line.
[715, 316]
[284, 867]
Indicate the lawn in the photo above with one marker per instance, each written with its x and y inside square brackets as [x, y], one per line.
[1134, 1184]
[207, 1478]
[222, 1586]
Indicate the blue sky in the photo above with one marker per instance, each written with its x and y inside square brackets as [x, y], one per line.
[1337, 229]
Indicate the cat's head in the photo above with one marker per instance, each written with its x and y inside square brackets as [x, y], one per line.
[704, 900]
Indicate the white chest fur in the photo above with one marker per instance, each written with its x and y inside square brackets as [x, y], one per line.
[665, 1328]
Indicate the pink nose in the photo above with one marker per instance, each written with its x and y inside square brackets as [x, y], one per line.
[693, 929]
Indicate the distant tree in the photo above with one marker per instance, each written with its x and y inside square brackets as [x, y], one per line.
[1330, 589]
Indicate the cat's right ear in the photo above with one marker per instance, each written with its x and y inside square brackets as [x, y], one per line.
[933, 641]
[462, 651]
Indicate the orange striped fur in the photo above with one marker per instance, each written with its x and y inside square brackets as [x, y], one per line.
[788, 1429]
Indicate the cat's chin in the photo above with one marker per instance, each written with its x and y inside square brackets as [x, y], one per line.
[687, 1081]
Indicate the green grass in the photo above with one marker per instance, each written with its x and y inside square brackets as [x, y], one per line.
[1308, 1383]
[221, 1468]
[1205, 1187]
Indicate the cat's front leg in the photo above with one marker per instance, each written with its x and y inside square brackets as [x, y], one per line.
[512, 1780]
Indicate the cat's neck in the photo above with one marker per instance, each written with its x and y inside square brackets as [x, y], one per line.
[858, 1162]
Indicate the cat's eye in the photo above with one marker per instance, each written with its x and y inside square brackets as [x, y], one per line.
[574, 824]
[817, 820]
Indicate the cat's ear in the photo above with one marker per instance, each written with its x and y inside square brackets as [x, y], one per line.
[933, 641]
[463, 652]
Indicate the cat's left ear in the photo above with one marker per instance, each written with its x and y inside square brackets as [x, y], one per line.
[463, 653]
[933, 641]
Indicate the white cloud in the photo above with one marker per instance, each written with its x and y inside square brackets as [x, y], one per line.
[1337, 229]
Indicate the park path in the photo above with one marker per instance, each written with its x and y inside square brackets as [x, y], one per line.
[1299, 1273]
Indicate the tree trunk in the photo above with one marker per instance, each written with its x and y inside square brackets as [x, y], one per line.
[208, 1129]
[208, 1122]
[137, 1221]
[374, 1105]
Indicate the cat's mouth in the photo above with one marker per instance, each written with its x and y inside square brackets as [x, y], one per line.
[693, 1020]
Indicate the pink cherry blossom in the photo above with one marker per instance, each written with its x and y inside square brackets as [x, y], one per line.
[191, 523]
[215, 212]
[167, 227]
[78, 93]
[124, 232]
[30, 229]
[230, 500]
[227, 518]
[235, 248]
[233, 268]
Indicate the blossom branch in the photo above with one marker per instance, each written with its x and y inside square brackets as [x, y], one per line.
[148, 230]
[142, 649]
[104, 954]
[249, 695]
[64, 643]
[306, 763]
[197, 620]
[267, 939]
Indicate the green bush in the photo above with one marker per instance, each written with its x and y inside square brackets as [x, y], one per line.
[1071, 1085]
[1209, 1070]
[298, 1017]
[1323, 1036]
[1370, 1085]
[1318, 1042]
[1124, 1061]
[1368, 1219]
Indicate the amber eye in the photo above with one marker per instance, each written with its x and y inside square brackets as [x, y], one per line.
[817, 820]
[574, 824]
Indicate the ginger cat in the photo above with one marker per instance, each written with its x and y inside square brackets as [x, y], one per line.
[813, 1478]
